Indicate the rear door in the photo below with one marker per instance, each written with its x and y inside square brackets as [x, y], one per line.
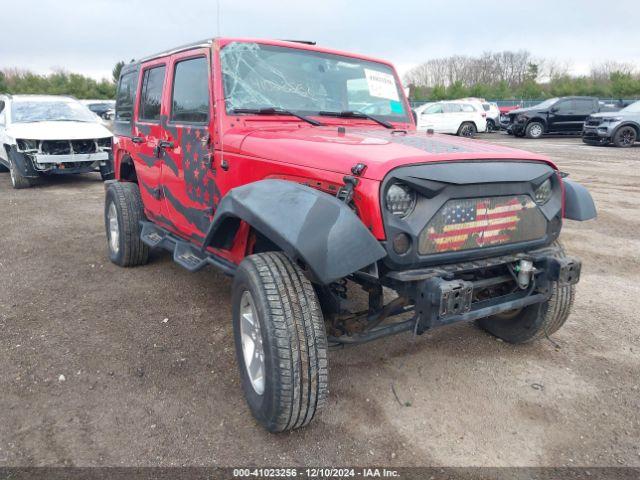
[147, 133]
[190, 190]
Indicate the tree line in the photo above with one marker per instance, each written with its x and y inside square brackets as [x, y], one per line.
[508, 74]
[59, 82]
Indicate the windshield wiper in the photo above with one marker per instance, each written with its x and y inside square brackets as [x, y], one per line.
[277, 111]
[356, 114]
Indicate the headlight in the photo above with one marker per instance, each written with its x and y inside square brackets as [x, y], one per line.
[400, 200]
[612, 119]
[543, 192]
[24, 145]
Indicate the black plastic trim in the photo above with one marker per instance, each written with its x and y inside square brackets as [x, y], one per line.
[314, 229]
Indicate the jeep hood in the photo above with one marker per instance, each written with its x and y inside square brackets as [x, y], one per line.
[381, 150]
[58, 131]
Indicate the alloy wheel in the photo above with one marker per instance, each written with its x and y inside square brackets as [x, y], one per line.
[114, 228]
[251, 338]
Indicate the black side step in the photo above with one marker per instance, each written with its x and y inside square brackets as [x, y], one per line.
[185, 254]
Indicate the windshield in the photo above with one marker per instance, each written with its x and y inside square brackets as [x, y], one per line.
[547, 103]
[260, 76]
[633, 108]
[50, 111]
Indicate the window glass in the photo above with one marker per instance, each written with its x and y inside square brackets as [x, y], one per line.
[583, 106]
[435, 108]
[468, 108]
[486, 107]
[1, 106]
[452, 107]
[151, 95]
[190, 98]
[565, 106]
[125, 98]
[257, 76]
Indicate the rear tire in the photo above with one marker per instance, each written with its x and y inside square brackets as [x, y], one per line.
[491, 126]
[535, 321]
[534, 130]
[123, 211]
[625, 137]
[467, 129]
[286, 381]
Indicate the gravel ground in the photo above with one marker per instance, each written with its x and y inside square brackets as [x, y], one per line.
[107, 366]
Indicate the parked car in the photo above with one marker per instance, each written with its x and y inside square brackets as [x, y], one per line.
[105, 109]
[504, 115]
[564, 115]
[303, 199]
[47, 135]
[461, 118]
[492, 112]
[621, 128]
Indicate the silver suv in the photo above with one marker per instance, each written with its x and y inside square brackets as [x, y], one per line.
[621, 128]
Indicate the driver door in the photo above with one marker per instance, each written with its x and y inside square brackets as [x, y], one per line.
[432, 117]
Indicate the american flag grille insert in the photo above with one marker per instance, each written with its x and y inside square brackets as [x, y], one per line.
[464, 224]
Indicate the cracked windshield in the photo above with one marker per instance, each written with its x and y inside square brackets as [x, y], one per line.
[262, 76]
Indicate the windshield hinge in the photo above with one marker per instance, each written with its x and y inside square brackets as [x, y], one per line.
[345, 193]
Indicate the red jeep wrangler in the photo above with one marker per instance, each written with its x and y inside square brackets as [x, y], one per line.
[298, 171]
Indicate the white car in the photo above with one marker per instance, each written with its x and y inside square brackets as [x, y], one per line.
[46, 135]
[464, 118]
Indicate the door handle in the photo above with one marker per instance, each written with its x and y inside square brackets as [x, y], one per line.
[137, 139]
[157, 151]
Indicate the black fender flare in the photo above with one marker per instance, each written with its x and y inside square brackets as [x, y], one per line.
[578, 203]
[313, 228]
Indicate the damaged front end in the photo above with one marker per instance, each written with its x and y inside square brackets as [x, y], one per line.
[465, 241]
[47, 157]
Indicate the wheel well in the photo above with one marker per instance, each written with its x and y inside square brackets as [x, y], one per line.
[537, 120]
[127, 169]
[632, 125]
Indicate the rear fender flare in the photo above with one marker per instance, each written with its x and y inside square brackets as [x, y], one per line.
[578, 203]
[313, 228]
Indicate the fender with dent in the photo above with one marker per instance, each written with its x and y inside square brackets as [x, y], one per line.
[313, 228]
[578, 203]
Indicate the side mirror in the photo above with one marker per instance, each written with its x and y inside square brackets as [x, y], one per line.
[553, 109]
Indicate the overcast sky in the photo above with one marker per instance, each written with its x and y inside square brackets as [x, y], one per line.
[90, 36]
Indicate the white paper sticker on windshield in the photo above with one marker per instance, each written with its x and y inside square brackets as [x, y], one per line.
[381, 85]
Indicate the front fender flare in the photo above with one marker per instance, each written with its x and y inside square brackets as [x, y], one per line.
[578, 203]
[310, 226]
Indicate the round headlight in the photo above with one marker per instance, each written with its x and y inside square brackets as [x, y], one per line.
[400, 200]
[543, 192]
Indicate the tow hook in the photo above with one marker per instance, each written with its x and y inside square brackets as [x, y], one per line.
[524, 269]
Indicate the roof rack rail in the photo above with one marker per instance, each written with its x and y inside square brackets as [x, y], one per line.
[306, 42]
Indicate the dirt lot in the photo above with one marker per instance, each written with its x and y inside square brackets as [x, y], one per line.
[107, 366]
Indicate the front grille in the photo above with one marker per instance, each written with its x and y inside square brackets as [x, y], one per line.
[472, 223]
[593, 122]
[56, 147]
[83, 146]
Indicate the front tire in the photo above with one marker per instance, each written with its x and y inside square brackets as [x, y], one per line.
[535, 321]
[534, 130]
[123, 211]
[467, 129]
[106, 172]
[281, 343]
[18, 181]
[625, 137]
